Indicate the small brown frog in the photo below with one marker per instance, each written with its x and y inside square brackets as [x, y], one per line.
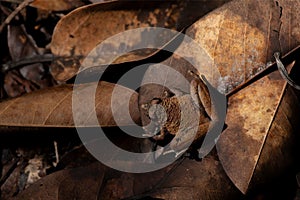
[188, 117]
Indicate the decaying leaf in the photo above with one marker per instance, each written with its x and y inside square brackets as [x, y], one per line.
[194, 10]
[79, 183]
[94, 181]
[184, 179]
[83, 29]
[56, 5]
[53, 107]
[197, 180]
[239, 39]
[260, 138]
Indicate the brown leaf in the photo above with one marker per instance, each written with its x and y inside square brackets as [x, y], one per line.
[78, 183]
[83, 29]
[53, 107]
[259, 141]
[56, 5]
[196, 180]
[248, 119]
[239, 40]
[100, 1]
[94, 181]
[184, 180]
[194, 10]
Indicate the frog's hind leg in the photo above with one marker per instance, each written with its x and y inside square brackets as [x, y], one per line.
[200, 94]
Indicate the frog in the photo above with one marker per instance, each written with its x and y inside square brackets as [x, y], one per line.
[187, 117]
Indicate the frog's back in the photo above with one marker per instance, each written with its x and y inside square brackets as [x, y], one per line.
[182, 113]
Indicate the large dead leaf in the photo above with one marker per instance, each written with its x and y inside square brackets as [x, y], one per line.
[83, 29]
[100, 181]
[239, 40]
[53, 107]
[194, 10]
[185, 179]
[79, 183]
[197, 180]
[259, 140]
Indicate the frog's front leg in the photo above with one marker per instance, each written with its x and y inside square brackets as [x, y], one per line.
[182, 141]
[161, 135]
[158, 117]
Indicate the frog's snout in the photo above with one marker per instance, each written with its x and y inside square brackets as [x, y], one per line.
[151, 129]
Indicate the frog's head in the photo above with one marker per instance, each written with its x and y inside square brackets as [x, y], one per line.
[156, 113]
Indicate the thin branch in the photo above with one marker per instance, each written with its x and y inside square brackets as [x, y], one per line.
[288, 58]
[35, 59]
[284, 73]
[27, 61]
[14, 13]
[9, 171]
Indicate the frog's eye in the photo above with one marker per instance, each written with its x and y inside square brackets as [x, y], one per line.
[156, 101]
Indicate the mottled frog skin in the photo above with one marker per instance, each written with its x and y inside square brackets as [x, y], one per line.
[188, 117]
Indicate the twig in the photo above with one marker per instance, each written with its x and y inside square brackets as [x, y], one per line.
[9, 171]
[288, 58]
[26, 61]
[284, 72]
[35, 59]
[14, 13]
[56, 154]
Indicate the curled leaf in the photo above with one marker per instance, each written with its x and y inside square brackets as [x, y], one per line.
[83, 29]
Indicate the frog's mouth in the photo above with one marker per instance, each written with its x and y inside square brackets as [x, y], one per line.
[152, 129]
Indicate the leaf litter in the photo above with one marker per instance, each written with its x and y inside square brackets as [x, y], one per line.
[178, 183]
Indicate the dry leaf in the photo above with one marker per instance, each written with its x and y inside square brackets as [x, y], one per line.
[194, 10]
[53, 107]
[100, 1]
[56, 5]
[196, 180]
[259, 141]
[185, 179]
[79, 183]
[83, 29]
[238, 40]
[95, 181]
[241, 39]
